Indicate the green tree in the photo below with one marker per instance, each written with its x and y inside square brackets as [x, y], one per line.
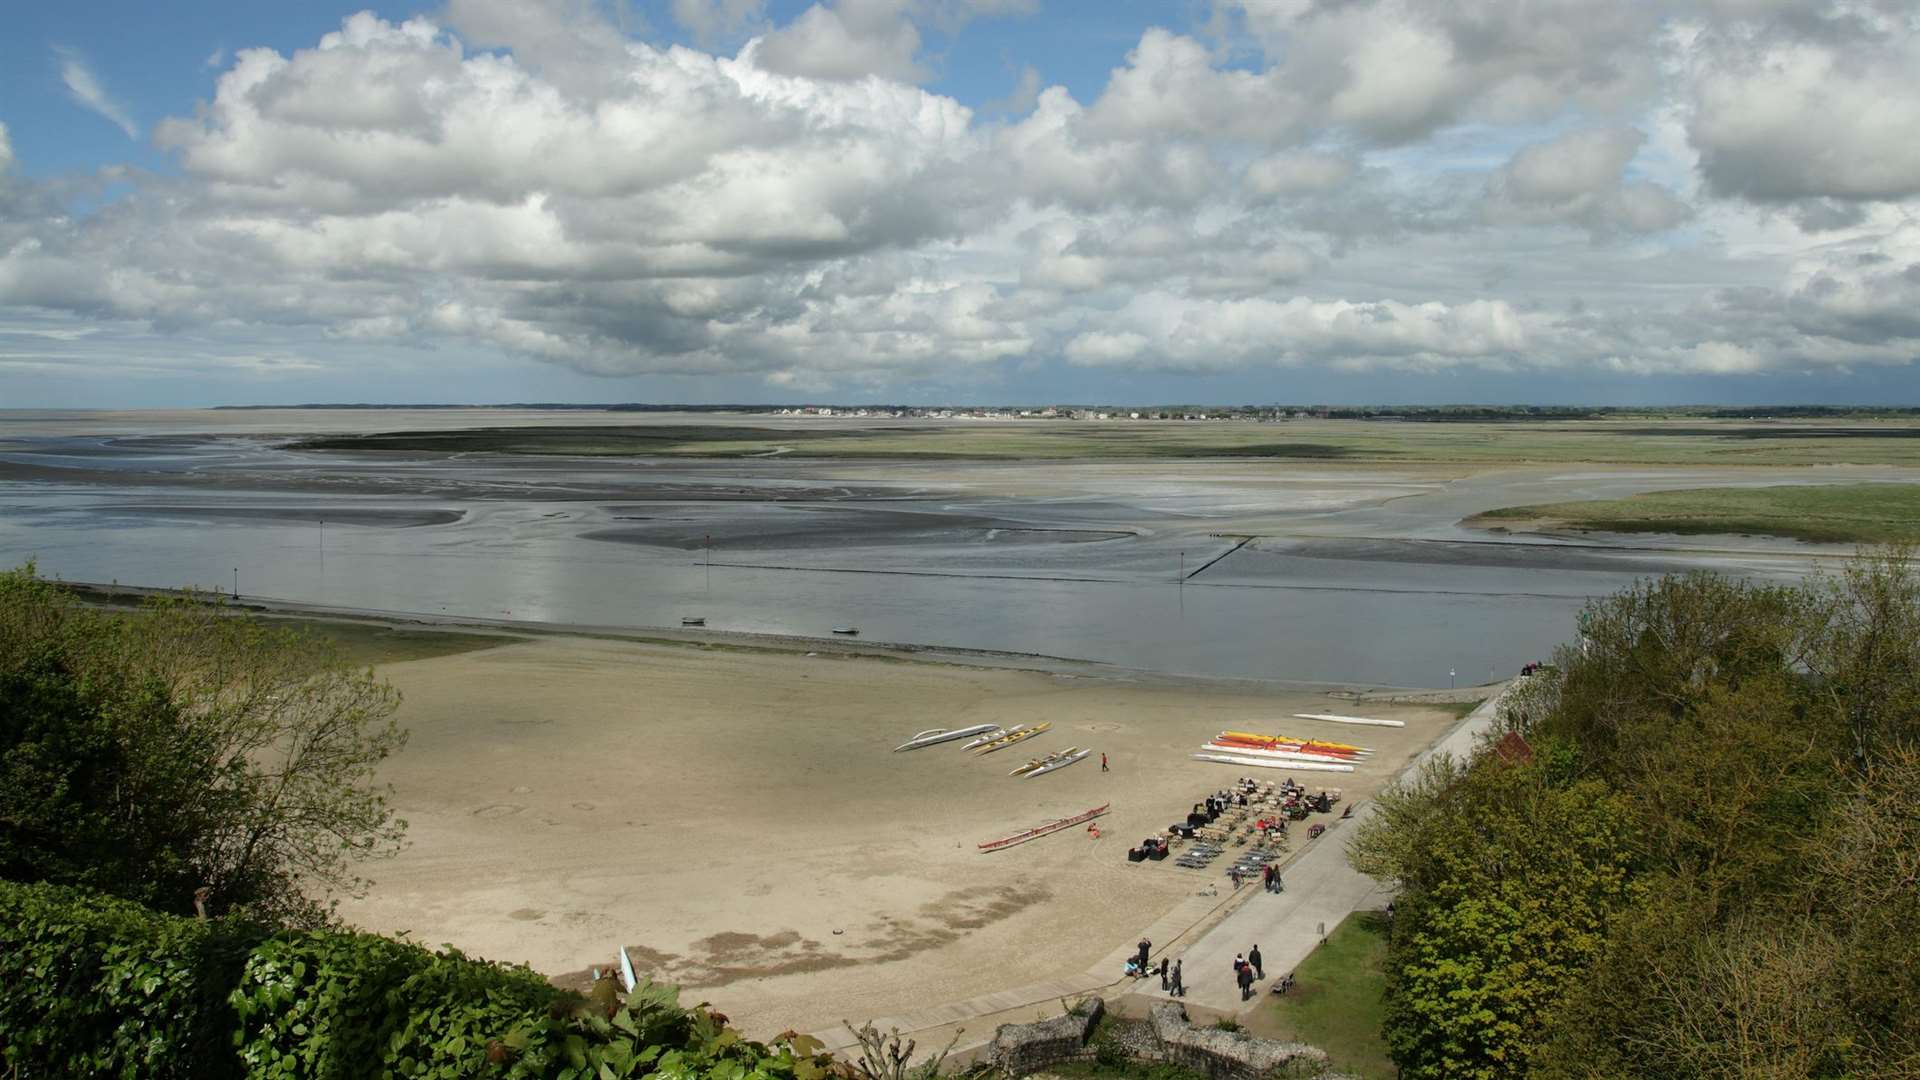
[1508, 885]
[183, 748]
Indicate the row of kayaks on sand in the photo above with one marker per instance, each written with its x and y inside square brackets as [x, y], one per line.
[988, 738]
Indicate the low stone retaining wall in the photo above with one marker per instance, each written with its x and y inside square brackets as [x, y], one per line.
[1020, 1049]
[1229, 1055]
[1166, 1036]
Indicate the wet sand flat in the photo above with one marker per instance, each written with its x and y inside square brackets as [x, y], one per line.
[740, 821]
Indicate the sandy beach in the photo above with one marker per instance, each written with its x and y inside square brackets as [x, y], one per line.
[739, 820]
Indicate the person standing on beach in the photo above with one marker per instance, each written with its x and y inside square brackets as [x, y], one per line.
[1103, 761]
[1253, 961]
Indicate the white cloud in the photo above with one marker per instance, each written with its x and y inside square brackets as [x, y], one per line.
[850, 40]
[87, 90]
[1777, 117]
[1389, 185]
[712, 20]
[1579, 178]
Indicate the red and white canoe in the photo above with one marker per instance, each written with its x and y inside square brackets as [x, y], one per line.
[1221, 747]
[1042, 830]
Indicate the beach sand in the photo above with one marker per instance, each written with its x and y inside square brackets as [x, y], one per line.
[738, 820]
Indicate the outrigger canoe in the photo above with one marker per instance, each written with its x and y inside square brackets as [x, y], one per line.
[1333, 718]
[1277, 755]
[984, 739]
[1042, 830]
[1056, 761]
[1038, 762]
[1016, 735]
[1269, 763]
[1290, 742]
[940, 735]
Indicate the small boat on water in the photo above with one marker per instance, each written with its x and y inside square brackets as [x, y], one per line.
[1057, 761]
[693, 620]
[1025, 835]
[1008, 738]
[932, 736]
[847, 631]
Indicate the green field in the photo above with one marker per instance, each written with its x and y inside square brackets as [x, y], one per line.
[1636, 441]
[1338, 999]
[1836, 513]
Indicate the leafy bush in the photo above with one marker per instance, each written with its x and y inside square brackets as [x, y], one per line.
[182, 752]
[93, 986]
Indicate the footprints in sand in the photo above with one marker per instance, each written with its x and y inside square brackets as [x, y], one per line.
[509, 809]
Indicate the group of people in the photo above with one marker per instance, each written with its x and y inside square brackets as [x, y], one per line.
[1170, 978]
[1247, 970]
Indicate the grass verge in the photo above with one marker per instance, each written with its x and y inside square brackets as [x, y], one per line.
[1828, 513]
[1338, 999]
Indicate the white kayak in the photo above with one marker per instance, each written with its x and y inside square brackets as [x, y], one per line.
[940, 735]
[1335, 719]
[1277, 755]
[1055, 762]
[984, 738]
[1269, 763]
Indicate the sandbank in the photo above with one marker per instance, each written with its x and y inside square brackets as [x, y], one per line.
[739, 820]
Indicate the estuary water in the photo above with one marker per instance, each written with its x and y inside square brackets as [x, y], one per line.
[1286, 570]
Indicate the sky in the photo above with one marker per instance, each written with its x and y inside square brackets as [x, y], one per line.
[960, 201]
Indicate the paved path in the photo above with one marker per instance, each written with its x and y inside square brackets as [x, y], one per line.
[1321, 890]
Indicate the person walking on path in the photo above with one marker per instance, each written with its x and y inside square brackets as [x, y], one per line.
[1234, 873]
[1246, 981]
[1103, 761]
[1163, 973]
[1253, 960]
[1266, 877]
[1175, 987]
[1239, 962]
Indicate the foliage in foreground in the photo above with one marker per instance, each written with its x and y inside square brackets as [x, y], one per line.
[1707, 869]
[181, 752]
[92, 986]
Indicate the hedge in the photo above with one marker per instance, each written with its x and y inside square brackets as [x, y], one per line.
[92, 986]
[95, 986]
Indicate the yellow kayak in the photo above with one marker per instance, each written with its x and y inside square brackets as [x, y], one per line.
[1316, 744]
[1014, 736]
[1040, 763]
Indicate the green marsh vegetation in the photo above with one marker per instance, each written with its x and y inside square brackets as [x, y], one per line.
[1635, 441]
[1828, 513]
[1706, 866]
